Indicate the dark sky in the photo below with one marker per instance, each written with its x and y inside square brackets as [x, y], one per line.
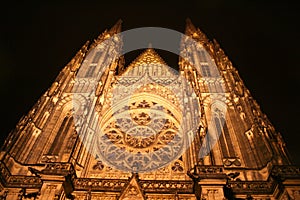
[261, 39]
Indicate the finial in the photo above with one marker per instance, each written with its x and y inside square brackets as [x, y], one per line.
[150, 45]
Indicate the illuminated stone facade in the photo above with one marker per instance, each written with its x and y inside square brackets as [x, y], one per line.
[45, 156]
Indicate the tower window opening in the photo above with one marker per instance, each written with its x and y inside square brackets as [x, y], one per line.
[61, 135]
[90, 71]
[203, 56]
[96, 57]
[225, 139]
[206, 70]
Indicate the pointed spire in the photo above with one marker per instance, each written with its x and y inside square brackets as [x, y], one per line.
[196, 33]
[116, 28]
[108, 33]
[149, 56]
[189, 27]
[74, 64]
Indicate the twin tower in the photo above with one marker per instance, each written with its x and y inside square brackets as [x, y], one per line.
[147, 131]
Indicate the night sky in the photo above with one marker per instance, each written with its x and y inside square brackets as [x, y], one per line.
[261, 39]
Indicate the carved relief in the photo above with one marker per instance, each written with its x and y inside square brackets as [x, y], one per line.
[49, 158]
[296, 194]
[98, 166]
[177, 167]
[231, 162]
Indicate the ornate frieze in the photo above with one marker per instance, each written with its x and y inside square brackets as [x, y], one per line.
[58, 169]
[286, 171]
[205, 171]
[252, 187]
[166, 186]
[99, 184]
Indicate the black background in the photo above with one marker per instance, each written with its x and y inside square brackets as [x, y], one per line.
[260, 38]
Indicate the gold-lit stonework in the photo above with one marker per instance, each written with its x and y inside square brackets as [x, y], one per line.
[125, 139]
[142, 127]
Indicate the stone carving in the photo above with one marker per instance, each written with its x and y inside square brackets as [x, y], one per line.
[232, 162]
[296, 194]
[253, 187]
[282, 172]
[3, 194]
[233, 176]
[161, 186]
[98, 166]
[99, 184]
[207, 171]
[59, 169]
[49, 158]
[177, 167]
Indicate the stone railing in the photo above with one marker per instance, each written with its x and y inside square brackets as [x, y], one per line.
[286, 171]
[277, 174]
[9, 180]
[58, 169]
[167, 186]
[201, 172]
[99, 184]
[252, 187]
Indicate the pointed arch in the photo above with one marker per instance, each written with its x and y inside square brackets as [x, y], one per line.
[221, 128]
[63, 132]
[61, 135]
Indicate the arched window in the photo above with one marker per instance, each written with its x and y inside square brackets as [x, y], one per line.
[61, 135]
[203, 56]
[223, 133]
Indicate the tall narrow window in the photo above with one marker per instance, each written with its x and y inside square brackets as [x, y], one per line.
[224, 136]
[61, 135]
[203, 56]
[90, 71]
[206, 70]
[96, 57]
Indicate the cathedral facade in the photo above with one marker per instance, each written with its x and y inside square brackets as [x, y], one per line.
[146, 131]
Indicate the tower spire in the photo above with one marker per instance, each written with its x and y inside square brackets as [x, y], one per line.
[195, 33]
[189, 27]
[116, 28]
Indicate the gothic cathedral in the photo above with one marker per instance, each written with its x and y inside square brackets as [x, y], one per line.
[147, 131]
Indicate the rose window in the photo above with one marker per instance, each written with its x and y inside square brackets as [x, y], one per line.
[141, 133]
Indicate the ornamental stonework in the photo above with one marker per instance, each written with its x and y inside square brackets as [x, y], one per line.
[147, 131]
